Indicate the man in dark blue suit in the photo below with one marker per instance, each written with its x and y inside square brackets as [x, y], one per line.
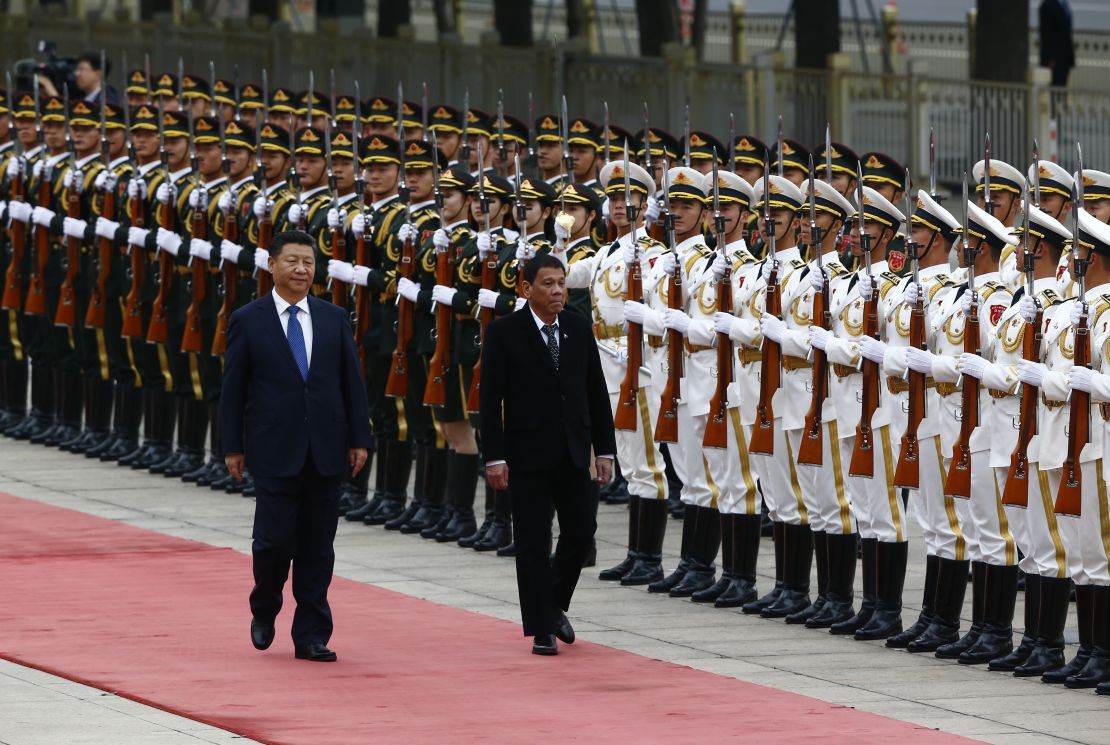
[294, 411]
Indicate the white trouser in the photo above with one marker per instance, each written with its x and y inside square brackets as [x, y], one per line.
[1083, 535]
[824, 488]
[1046, 552]
[638, 453]
[732, 470]
[779, 479]
[945, 516]
[876, 503]
[715, 466]
[994, 543]
[699, 488]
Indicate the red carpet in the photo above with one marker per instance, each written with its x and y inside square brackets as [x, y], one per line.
[164, 621]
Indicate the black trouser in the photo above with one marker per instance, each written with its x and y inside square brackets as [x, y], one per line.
[545, 587]
[294, 522]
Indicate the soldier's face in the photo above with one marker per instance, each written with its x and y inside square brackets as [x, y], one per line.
[824, 223]
[702, 165]
[310, 170]
[842, 182]
[536, 214]
[1056, 205]
[448, 143]
[25, 130]
[455, 205]
[240, 160]
[136, 99]
[1002, 203]
[117, 143]
[344, 169]
[888, 191]
[380, 128]
[414, 133]
[784, 224]
[748, 172]
[794, 175]
[687, 215]
[54, 134]
[1099, 209]
[582, 215]
[474, 141]
[249, 117]
[381, 179]
[584, 158]
[548, 155]
[228, 111]
[146, 144]
[274, 164]
[177, 152]
[875, 233]
[735, 216]
[618, 213]
[497, 211]
[85, 139]
[168, 103]
[419, 182]
[200, 106]
[921, 235]
[208, 159]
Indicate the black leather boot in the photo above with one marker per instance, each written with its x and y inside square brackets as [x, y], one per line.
[37, 415]
[701, 572]
[470, 540]
[821, 559]
[1097, 669]
[359, 513]
[216, 469]
[997, 637]
[397, 470]
[110, 415]
[799, 560]
[689, 525]
[1047, 653]
[202, 476]
[1084, 617]
[869, 555]
[462, 484]
[500, 533]
[612, 574]
[15, 393]
[840, 595]
[182, 416]
[1020, 653]
[166, 411]
[78, 442]
[728, 564]
[978, 604]
[442, 494]
[778, 534]
[886, 621]
[928, 603]
[193, 445]
[648, 566]
[70, 405]
[421, 478]
[949, 603]
[129, 417]
[745, 548]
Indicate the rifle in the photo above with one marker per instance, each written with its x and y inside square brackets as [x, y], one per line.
[362, 294]
[229, 282]
[294, 177]
[133, 314]
[339, 290]
[191, 339]
[158, 332]
[464, 144]
[655, 230]
[780, 142]
[485, 316]
[13, 279]
[716, 427]
[502, 150]
[94, 313]
[1016, 491]
[770, 366]
[666, 426]
[686, 136]
[863, 452]
[564, 125]
[625, 416]
[520, 213]
[1069, 495]
[36, 291]
[907, 474]
[435, 390]
[66, 314]
[397, 384]
[265, 223]
[811, 450]
[958, 481]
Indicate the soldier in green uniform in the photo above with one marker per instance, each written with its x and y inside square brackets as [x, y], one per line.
[251, 104]
[582, 206]
[508, 139]
[537, 199]
[271, 203]
[311, 200]
[138, 88]
[704, 147]
[346, 111]
[549, 147]
[379, 116]
[446, 122]
[888, 177]
[794, 161]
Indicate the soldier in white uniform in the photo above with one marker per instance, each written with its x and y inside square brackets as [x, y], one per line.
[1054, 186]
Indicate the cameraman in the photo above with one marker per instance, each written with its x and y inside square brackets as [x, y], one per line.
[89, 79]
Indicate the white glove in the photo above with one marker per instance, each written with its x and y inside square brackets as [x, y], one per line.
[230, 251]
[819, 337]
[722, 322]
[651, 211]
[443, 294]
[919, 360]
[634, 312]
[973, 365]
[1077, 307]
[360, 275]
[1086, 379]
[296, 213]
[520, 303]
[866, 285]
[817, 279]
[136, 189]
[621, 355]
[262, 206]
[485, 245]
[913, 292]
[137, 236]
[406, 232]
[562, 235]
[358, 225]
[20, 211]
[441, 240]
[407, 289]
[628, 254]
[488, 298]
[74, 180]
[168, 241]
[198, 198]
[666, 262]
[717, 268]
[524, 250]
[965, 302]
[262, 259]
[872, 349]
[767, 268]
[42, 216]
[200, 248]
[40, 168]
[772, 327]
[1031, 373]
[340, 271]
[105, 181]
[335, 221]
[166, 192]
[3, 209]
[106, 228]
[1027, 309]
[16, 167]
[226, 203]
[676, 320]
[74, 228]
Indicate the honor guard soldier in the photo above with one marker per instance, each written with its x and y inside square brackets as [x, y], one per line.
[844, 161]
[251, 105]
[412, 121]
[167, 92]
[379, 116]
[312, 113]
[346, 111]
[13, 361]
[311, 200]
[576, 238]
[1096, 192]
[138, 88]
[704, 149]
[506, 141]
[584, 144]
[446, 122]
[196, 94]
[1051, 188]
[283, 108]
[794, 161]
[888, 177]
[549, 147]
[479, 131]
[271, 204]
[536, 201]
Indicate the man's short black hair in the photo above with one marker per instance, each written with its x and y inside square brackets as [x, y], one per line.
[93, 58]
[546, 261]
[290, 237]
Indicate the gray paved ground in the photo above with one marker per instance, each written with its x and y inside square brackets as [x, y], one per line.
[36, 708]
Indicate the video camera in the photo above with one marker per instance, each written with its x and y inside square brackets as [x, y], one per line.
[59, 70]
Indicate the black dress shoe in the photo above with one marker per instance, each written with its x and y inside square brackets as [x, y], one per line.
[545, 645]
[316, 652]
[262, 635]
[507, 551]
[563, 630]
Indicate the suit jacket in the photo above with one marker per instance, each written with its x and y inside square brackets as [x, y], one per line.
[279, 417]
[532, 416]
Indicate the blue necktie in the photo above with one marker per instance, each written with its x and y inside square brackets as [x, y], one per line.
[296, 342]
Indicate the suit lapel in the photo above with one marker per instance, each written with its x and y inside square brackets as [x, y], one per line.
[318, 332]
[273, 324]
[538, 340]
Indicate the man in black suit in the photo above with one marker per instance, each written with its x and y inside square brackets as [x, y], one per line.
[544, 407]
[293, 394]
[1057, 46]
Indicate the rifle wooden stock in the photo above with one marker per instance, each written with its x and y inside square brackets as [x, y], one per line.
[863, 452]
[397, 384]
[230, 285]
[94, 314]
[198, 278]
[36, 291]
[13, 279]
[1016, 491]
[958, 481]
[485, 318]
[907, 474]
[362, 301]
[716, 427]
[339, 253]
[666, 426]
[66, 314]
[435, 390]
[158, 330]
[133, 309]
[770, 377]
[625, 417]
[811, 450]
[265, 237]
[1069, 495]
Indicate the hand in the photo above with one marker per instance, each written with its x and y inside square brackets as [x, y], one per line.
[20, 211]
[40, 169]
[524, 250]
[136, 188]
[234, 463]
[719, 265]
[1027, 309]
[340, 271]
[676, 320]
[166, 192]
[74, 180]
[485, 245]
[262, 207]
[297, 212]
[137, 236]
[336, 218]
[42, 216]
[168, 241]
[406, 232]
[229, 251]
[912, 293]
[666, 263]
[965, 301]
[441, 240]
[74, 228]
[817, 279]
[262, 259]
[562, 235]
[919, 360]
[105, 181]
[106, 228]
[1078, 309]
[488, 298]
[651, 211]
[722, 322]
[356, 459]
[198, 198]
[866, 285]
[819, 337]
[358, 225]
[360, 275]
[872, 349]
[17, 166]
[226, 204]
[603, 466]
[520, 303]
[200, 249]
[498, 476]
[408, 289]
[1031, 373]
[973, 365]
[622, 356]
[634, 312]
[629, 254]
[1081, 379]
[443, 295]
[767, 268]
[772, 327]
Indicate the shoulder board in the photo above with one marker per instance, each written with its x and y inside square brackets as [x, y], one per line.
[704, 250]
[649, 242]
[990, 288]
[797, 263]
[891, 277]
[836, 270]
[1051, 297]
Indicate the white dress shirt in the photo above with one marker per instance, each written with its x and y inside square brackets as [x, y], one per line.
[540, 324]
[303, 317]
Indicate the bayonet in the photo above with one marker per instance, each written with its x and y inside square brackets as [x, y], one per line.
[181, 83]
[668, 218]
[911, 247]
[464, 146]
[356, 130]
[780, 140]
[768, 225]
[502, 150]
[104, 154]
[331, 81]
[686, 136]
[235, 91]
[211, 88]
[815, 239]
[483, 199]
[1027, 257]
[564, 126]
[932, 164]
[731, 138]
[531, 126]
[403, 186]
[647, 142]
[423, 104]
[149, 81]
[608, 145]
[828, 157]
[437, 195]
[1037, 175]
[864, 238]
[629, 209]
[310, 103]
[987, 176]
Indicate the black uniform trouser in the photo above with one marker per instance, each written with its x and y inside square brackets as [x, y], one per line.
[295, 520]
[405, 419]
[547, 586]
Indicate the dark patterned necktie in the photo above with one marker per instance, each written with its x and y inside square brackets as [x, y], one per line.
[550, 330]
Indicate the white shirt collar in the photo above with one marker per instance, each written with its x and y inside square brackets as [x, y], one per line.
[312, 192]
[539, 321]
[87, 159]
[282, 306]
[274, 187]
[121, 159]
[241, 182]
[178, 175]
[383, 202]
